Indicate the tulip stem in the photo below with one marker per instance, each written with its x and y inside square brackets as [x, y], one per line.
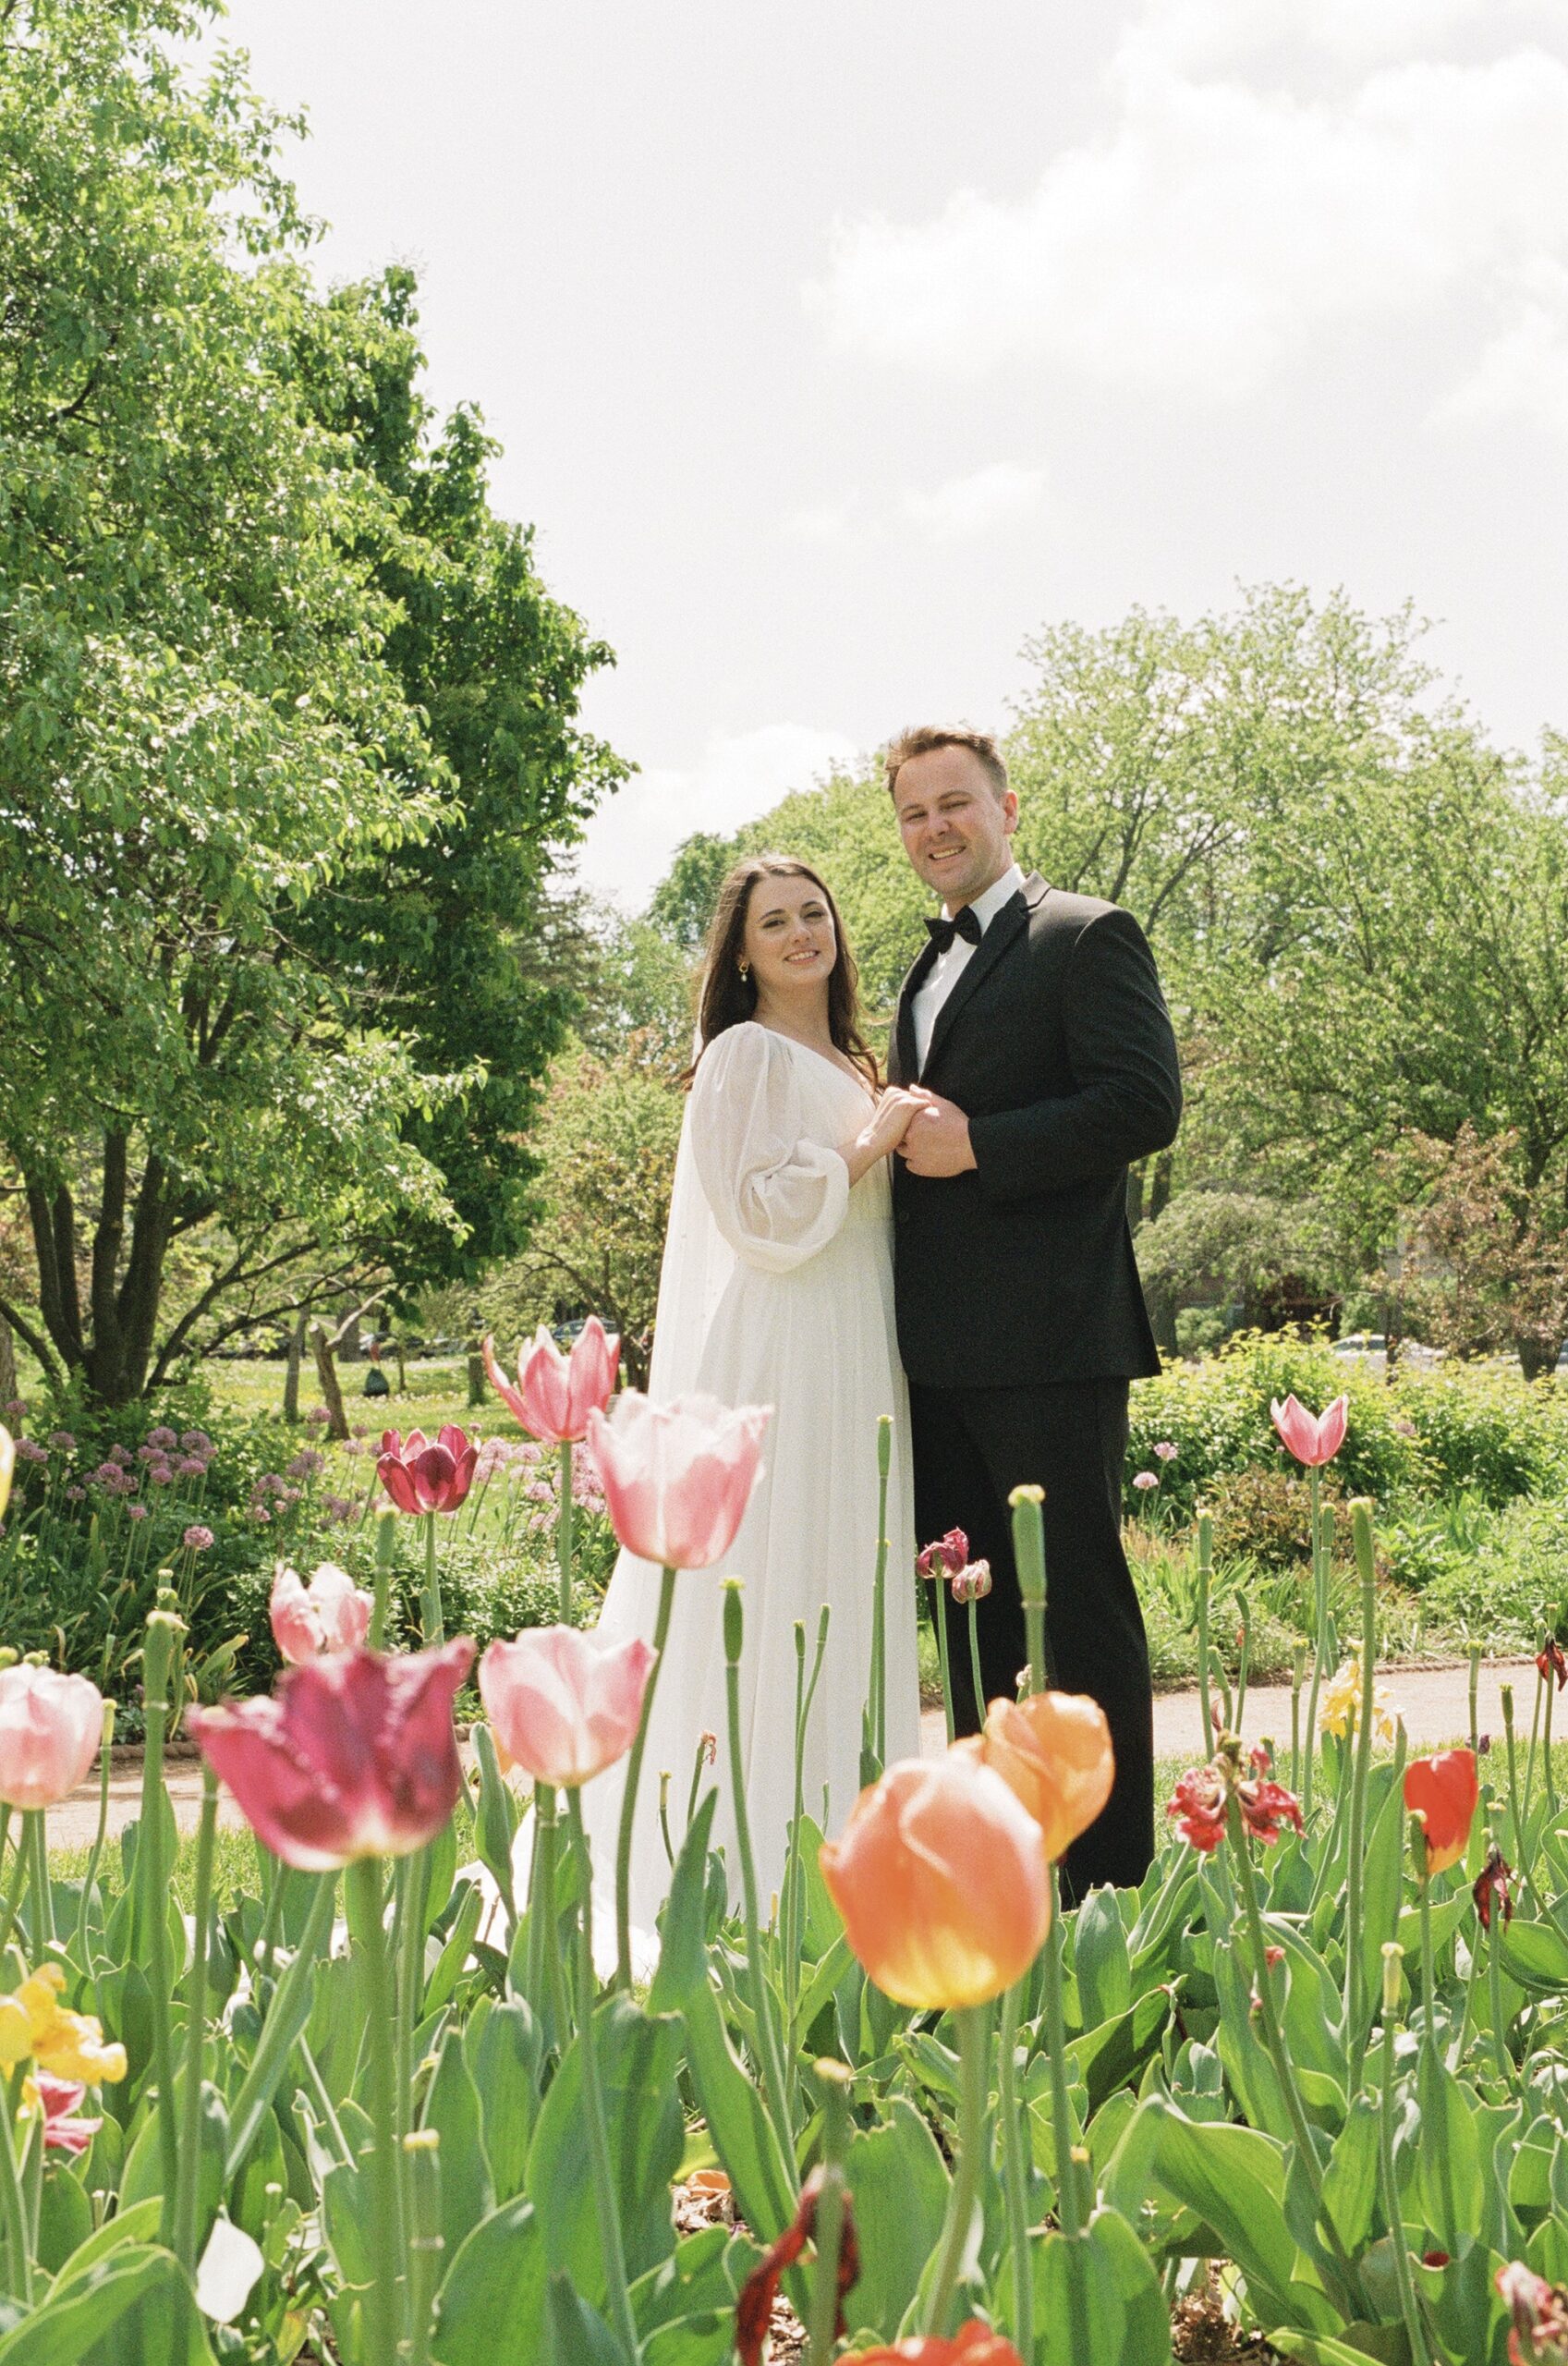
[549, 1934]
[152, 1878]
[386, 1545]
[938, 1618]
[430, 1611]
[90, 1876]
[634, 1772]
[828, 2227]
[621, 2319]
[974, 2049]
[19, 1854]
[795, 1871]
[1420, 2351]
[1204, 1579]
[1029, 1557]
[975, 1677]
[189, 2190]
[1357, 2008]
[770, 2061]
[12, 2214]
[1311, 2168]
[879, 1595]
[1521, 1845]
[1475, 1688]
[1298, 1672]
[421, 2166]
[1428, 1976]
[385, 2229]
[1069, 2206]
[1546, 1758]
[1494, 1995]
[1319, 1622]
[1014, 2173]
[564, 1524]
[42, 1901]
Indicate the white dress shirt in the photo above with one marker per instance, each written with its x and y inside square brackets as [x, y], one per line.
[949, 966]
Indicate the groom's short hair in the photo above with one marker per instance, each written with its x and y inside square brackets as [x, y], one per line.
[921, 738]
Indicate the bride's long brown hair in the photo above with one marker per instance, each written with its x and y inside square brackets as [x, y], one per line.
[728, 998]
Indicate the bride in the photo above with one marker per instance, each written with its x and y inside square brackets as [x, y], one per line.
[776, 1289]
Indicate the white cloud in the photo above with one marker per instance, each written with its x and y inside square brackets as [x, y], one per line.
[1224, 221]
[1522, 369]
[969, 505]
[832, 525]
[629, 843]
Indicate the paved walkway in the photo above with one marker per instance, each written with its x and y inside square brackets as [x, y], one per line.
[1434, 1703]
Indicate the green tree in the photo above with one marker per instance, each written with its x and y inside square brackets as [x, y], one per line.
[238, 860]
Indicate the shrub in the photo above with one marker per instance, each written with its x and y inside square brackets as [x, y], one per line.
[1492, 1432]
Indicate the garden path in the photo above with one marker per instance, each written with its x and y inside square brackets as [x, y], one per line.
[1434, 1703]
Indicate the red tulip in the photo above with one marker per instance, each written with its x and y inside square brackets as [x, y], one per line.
[59, 2099]
[1200, 1800]
[563, 1705]
[329, 1615]
[975, 2345]
[423, 1478]
[556, 1394]
[353, 1756]
[51, 1728]
[1539, 2335]
[1444, 1791]
[946, 1557]
[1313, 1438]
[677, 1477]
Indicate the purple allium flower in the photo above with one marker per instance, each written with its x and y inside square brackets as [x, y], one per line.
[193, 1440]
[121, 1454]
[136, 1511]
[162, 1437]
[160, 1474]
[318, 1413]
[64, 1440]
[76, 1494]
[337, 1507]
[1147, 1479]
[260, 1514]
[190, 1466]
[27, 1451]
[15, 1409]
[1165, 1450]
[109, 1474]
[199, 1539]
[306, 1463]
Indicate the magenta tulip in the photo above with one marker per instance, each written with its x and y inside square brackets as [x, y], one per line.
[329, 1615]
[50, 1726]
[556, 1394]
[1313, 1438]
[563, 1705]
[677, 1477]
[354, 1755]
[421, 1477]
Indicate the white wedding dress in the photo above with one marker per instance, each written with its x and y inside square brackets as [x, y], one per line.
[776, 1289]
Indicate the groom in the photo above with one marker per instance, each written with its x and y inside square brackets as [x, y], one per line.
[1034, 1024]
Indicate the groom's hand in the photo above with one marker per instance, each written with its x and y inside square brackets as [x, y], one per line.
[937, 1139]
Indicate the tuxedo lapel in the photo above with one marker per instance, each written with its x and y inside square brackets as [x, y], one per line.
[1004, 932]
[906, 1067]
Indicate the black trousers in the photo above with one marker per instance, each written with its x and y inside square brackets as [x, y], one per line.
[972, 1447]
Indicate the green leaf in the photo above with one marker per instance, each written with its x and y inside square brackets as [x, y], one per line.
[1098, 2298]
[637, 2056]
[452, 2108]
[683, 1953]
[490, 2306]
[575, 2335]
[1449, 2175]
[1535, 1954]
[900, 2185]
[503, 2060]
[1100, 1959]
[742, 2133]
[133, 2307]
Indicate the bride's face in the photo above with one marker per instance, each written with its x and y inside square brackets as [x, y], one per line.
[789, 938]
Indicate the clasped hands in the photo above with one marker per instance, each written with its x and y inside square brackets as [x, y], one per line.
[933, 1138]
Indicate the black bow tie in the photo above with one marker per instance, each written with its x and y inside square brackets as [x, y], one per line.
[964, 924]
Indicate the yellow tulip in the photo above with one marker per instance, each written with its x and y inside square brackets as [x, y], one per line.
[33, 2021]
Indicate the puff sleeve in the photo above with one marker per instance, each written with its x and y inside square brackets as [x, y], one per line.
[777, 1196]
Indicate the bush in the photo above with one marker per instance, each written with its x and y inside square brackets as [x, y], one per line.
[1492, 1433]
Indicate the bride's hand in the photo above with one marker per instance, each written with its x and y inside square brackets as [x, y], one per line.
[887, 1127]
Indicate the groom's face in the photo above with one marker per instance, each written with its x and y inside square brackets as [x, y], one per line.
[956, 830]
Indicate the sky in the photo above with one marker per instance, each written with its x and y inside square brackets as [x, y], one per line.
[837, 348]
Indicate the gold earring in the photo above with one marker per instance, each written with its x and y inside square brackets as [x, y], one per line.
[745, 968]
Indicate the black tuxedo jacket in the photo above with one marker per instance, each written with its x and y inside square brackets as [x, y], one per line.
[1056, 1043]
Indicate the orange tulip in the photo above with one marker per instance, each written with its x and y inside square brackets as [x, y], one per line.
[975, 2345]
[1444, 1791]
[940, 1880]
[1054, 1753]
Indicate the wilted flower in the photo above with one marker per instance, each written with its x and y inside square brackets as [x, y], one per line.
[972, 1583]
[1538, 2336]
[941, 1879]
[754, 2312]
[556, 1394]
[1491, 1886]
[198, 1539]
[50, 1729]
[1551, 1661]
[1341, 1706]
[353, 1756]
[563, 1705]
[421, 1477]
[1313, 1438]
[677, 1477]
[1200, 1799]
[946, 1557]
[1444, 1791]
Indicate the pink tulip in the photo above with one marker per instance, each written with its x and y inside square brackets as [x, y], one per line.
[564, 1706]
[424, 1478]
[329, 1615]
[1313, 1438]
[556, 1394]
[58, 2098]
[353, 1756]
[677, 1477]
[50, 1726]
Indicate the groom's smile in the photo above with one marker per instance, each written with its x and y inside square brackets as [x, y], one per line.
[955, 825]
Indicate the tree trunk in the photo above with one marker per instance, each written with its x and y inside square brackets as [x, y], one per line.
[478, 1377]
[291, 1370]
[348, 1334]
[1536, 1358]
[7, 1364]
[325, 1352]
[402, 1368]
[1160, 1183]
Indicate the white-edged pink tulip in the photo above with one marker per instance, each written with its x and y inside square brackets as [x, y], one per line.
[1313, 1438]
[330, 1613]
[556, 1393]
[50, 1726]
[563, 1705]
[677, 1477]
